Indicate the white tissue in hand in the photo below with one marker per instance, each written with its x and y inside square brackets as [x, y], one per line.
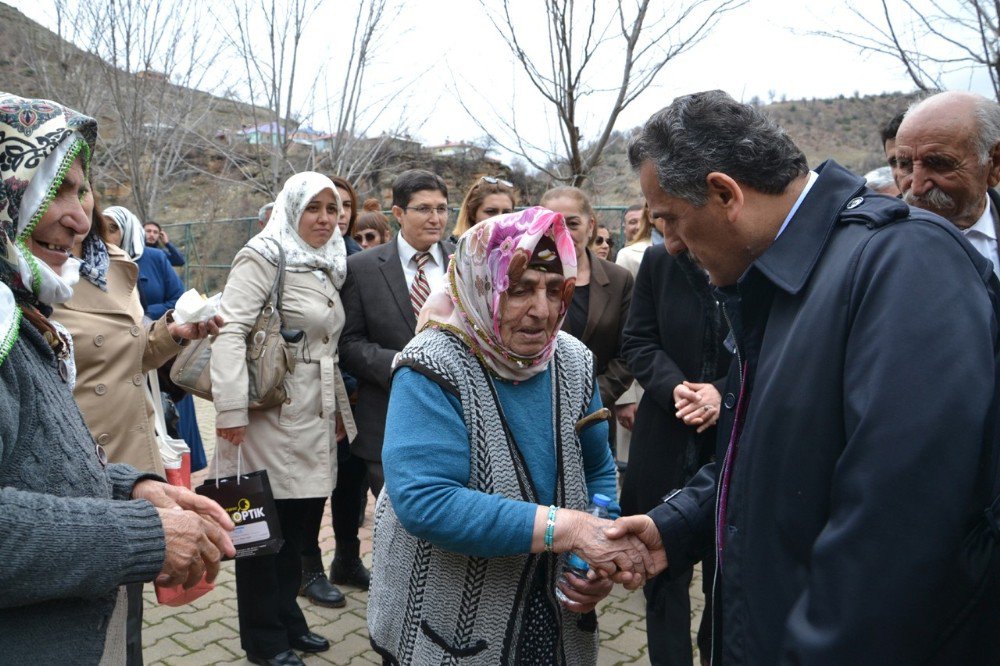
[193, 307]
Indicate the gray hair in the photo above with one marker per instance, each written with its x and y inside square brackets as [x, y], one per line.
[263, 211]
[710, 131]
[880, 178]
[988, 124]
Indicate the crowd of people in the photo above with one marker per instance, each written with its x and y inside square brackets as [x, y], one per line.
[790, 375]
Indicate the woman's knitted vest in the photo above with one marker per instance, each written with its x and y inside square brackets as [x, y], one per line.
[430, 606]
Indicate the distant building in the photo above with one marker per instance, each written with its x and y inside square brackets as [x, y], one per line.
[457, 149]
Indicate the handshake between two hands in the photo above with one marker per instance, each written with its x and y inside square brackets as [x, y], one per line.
[627, 551]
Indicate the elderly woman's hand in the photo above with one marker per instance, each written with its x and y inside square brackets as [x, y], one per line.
[586, 535]
[165, 496]
[584, 594]
[196, 330]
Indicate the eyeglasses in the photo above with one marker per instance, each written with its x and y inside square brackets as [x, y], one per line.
[601, 240]
[366, 237]
[427, 211]
[496, 181]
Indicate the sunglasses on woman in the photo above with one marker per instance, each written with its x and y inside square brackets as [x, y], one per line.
[601, 240]
[366, 237]
[496, 181]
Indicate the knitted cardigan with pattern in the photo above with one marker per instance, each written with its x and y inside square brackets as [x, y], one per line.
[69, 535]
[431, 606]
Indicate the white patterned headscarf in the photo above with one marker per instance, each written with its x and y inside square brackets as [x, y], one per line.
[39, 141]
[283, 227]
[133, 235]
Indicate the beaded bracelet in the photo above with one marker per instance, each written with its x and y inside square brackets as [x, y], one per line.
[550, 528]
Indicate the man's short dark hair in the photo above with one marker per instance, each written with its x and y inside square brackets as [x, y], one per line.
[710, 131]
[635, 207]
[889, 130]
[410, 182]
[154, 223]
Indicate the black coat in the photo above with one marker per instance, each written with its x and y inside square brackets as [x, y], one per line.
[854, 530]
[379, 321]
[675, 332]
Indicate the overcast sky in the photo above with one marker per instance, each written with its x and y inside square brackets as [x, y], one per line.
[447, 48]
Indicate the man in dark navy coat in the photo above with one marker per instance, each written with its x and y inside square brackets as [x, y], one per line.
[852, 502]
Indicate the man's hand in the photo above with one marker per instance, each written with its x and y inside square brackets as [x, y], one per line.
[643, 528]
[196, 330]
[584, 594]
[194, 547]
[625, 414]
[165, 496]
[235, 435]
[697, 404]
[164, 238]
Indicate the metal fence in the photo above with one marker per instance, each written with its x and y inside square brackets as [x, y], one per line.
[210, 245]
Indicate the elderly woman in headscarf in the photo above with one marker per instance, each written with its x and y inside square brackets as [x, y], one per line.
[74, 528]
[114, 349]
[295, 442]
[478, 502]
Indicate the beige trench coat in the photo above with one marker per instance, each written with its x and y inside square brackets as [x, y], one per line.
[295, 442]
[114, 349]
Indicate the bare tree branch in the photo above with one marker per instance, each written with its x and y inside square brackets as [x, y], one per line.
[568, 74]
[929, 39]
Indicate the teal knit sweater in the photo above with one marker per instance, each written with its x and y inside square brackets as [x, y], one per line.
[69, 535]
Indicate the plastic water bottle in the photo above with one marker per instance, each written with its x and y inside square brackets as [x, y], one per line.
[571, 564]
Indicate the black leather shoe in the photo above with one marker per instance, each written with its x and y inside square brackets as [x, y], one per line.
[310, 643]
[318, 589]
[350, 572]
[286, 658]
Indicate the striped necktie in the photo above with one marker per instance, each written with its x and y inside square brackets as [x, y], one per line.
[420, 289]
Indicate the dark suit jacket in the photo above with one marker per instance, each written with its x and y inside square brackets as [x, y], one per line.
[675, 332]
[379, 323]
[610, 296]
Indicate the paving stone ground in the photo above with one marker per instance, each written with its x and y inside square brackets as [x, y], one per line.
[207, 632]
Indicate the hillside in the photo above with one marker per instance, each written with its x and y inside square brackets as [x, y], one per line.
[845, 129]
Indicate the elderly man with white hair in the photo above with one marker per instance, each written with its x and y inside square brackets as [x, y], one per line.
[948, 148]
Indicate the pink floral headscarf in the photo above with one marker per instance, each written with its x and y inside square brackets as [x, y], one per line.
[486, 257]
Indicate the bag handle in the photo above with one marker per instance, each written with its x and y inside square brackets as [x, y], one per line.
[278, 286]
[239, 462]
[152, 391]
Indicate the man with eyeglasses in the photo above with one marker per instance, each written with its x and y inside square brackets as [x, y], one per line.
[384, 291]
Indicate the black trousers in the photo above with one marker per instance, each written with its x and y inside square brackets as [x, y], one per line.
[668, 620]
[266, 586]
[345, 505]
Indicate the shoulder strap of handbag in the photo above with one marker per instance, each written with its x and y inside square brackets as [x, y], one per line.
[278, 287]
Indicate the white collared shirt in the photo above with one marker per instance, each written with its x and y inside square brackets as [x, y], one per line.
[983, 236]
[434, 269]
[798, 202]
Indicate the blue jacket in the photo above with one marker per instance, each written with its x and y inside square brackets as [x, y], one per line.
[159, 285]
[864, 453]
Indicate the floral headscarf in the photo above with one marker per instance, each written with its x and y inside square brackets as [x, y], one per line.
[485, 259]
[283, 227]
[39, 141]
